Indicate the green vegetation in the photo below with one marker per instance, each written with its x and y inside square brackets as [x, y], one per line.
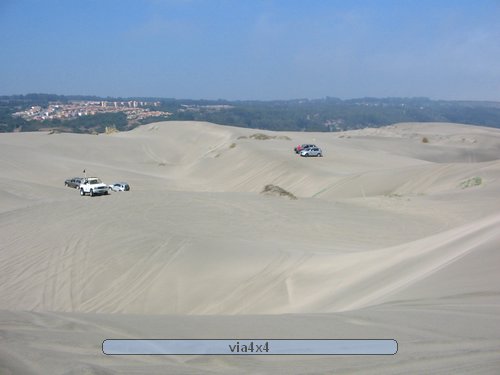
[323, 115]
[333, 114]
[94, 123]
[8, 123]
[261, 137]
[471, 182]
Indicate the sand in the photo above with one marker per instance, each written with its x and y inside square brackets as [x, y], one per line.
[392, 236]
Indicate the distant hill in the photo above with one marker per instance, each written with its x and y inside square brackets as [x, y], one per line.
[324, 115]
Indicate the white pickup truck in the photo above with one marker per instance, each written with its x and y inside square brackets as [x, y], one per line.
[93, 186]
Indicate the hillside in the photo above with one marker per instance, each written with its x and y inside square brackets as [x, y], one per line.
[320, 115]
[391, 236]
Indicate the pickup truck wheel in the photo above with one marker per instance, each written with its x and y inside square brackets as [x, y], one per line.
[82, 193]
[91, 192]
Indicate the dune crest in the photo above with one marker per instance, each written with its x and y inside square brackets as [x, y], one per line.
[390, 236]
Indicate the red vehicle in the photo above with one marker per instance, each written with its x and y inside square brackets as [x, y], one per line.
[303, 147]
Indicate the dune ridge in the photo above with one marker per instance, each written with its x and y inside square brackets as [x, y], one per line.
[389, 237]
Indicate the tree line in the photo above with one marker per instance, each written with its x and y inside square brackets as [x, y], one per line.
[324, 115]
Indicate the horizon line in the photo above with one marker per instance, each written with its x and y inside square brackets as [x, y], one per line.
[256, 100]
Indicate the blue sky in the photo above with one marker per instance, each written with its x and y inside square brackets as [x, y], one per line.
[251, 49]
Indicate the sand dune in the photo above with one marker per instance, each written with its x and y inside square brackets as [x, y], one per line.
[390, 237]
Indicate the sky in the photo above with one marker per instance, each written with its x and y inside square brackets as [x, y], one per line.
[251, 49]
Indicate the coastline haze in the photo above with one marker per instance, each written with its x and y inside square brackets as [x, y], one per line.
[258, 50]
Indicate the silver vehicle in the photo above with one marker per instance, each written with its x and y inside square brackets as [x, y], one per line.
[73, 182]
[120, 186]
[299, 148]
[313, 151]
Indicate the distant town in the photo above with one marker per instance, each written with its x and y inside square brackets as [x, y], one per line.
[134, 110]
[92, 114]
